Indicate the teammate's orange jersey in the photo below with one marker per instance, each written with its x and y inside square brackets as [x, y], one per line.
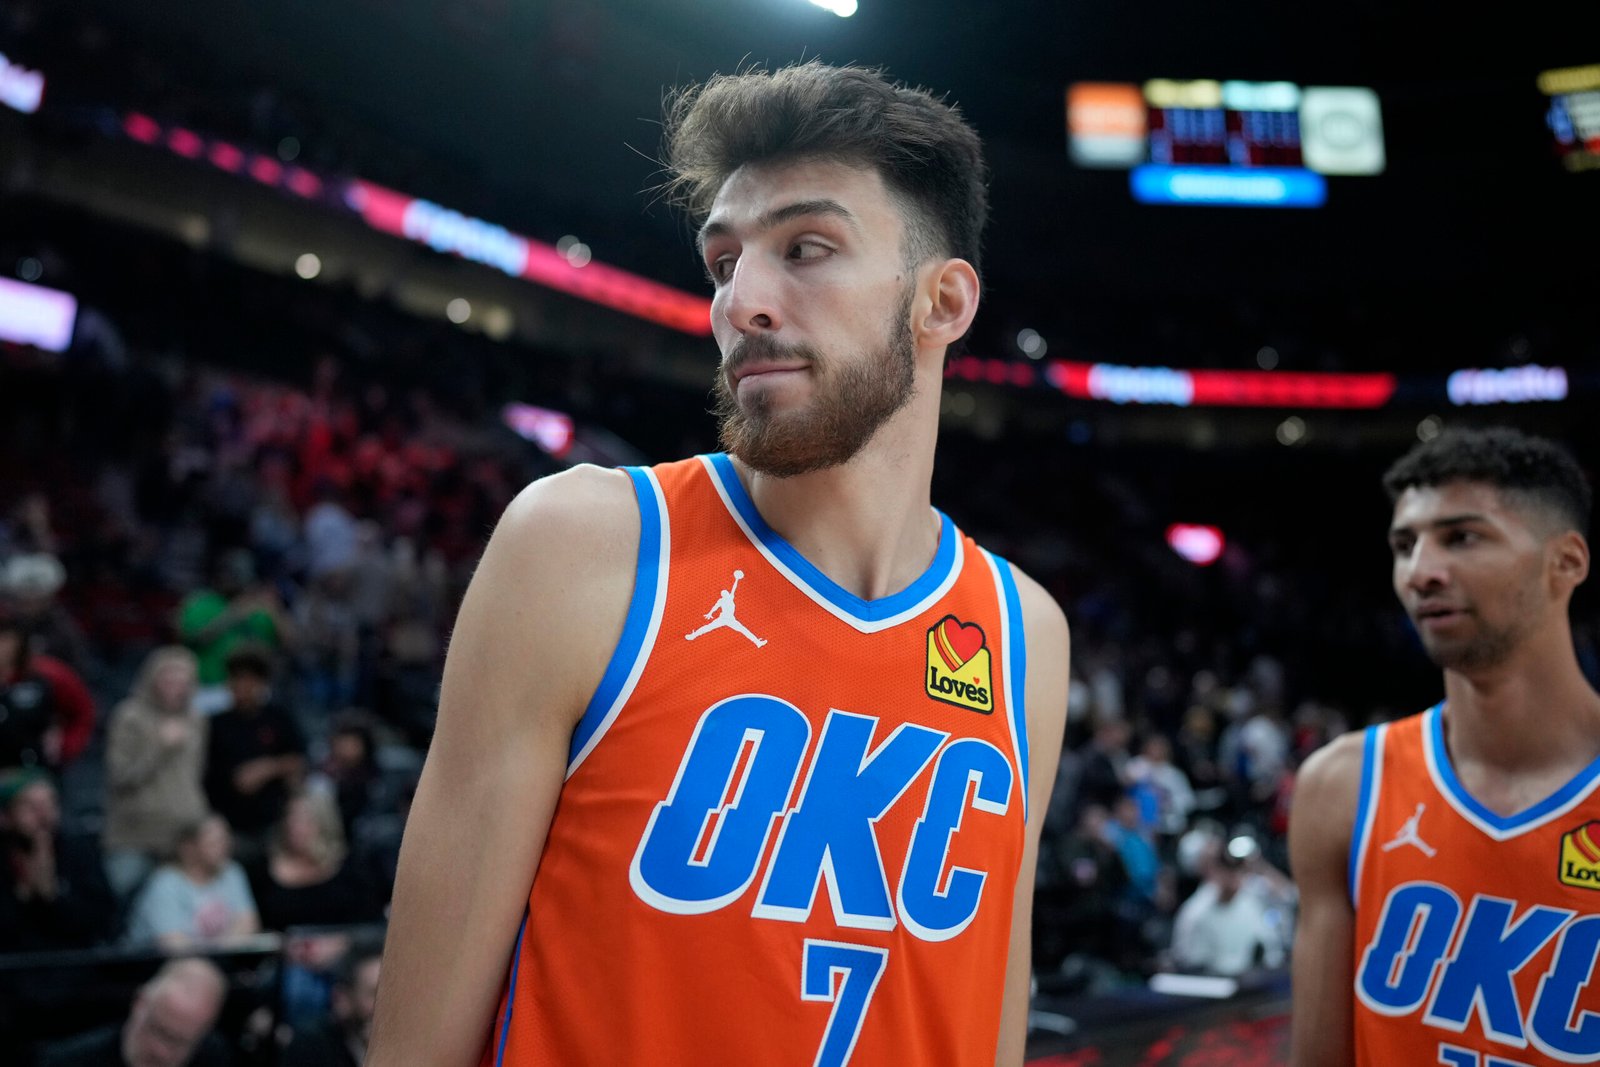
[792, 819]
[1475, 933]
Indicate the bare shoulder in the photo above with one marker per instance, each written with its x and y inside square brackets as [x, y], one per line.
[1049, 654]
[1332, 776]
[552, 588]
[1326, 795]
[1042, 617]
[561, 512]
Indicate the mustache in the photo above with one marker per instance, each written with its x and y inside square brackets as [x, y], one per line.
[765, 348]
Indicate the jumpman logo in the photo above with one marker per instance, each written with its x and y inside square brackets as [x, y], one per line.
[721, 614]
[1408, 835]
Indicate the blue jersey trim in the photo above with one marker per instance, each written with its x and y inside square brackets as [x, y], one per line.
[1365, 806]
[638, 630]
[1581, 783]
[944, 559]
[1016, 652]
[511, 991]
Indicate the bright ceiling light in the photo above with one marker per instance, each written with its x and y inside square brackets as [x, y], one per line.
[308, 266]
[843, 8]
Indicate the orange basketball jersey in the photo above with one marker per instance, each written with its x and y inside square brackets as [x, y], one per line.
[792, 819]
[1476, 934]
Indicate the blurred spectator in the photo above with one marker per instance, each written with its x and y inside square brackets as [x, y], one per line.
[1174, 799]
[169, 1025]
[201, 899]
[330, 533]
[1081, 880]
[46, 712]
[155, 762]
[342, 1040]
[236, 609]
[54, 894]
[305, 878]
[1149, 887]
[329, 640]
[256, 754]
[351, 769]
[31, 582]
[1105, 759]
[1227, 926]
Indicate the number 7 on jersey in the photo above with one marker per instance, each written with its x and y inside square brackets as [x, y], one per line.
[859, 967]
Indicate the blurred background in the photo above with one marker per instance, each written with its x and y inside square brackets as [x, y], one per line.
[294, 297]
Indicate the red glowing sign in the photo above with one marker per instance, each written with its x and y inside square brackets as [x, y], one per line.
[1200, 545]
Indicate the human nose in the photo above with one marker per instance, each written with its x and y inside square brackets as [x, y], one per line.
[750, 302]
[1424, 568]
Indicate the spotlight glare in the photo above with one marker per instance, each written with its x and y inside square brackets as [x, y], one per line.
[1032, 345]
[458, 311]
[308, 266]
[843, 8]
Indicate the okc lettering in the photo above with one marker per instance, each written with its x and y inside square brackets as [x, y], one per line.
[1405, 966]
[944, 683]
[703, 844]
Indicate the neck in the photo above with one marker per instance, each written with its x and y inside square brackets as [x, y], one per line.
[1535, 709]
[198, 872]
[867, 524]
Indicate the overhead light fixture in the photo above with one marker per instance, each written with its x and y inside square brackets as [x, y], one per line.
[843, 8]
[458, 310]
[308, 266]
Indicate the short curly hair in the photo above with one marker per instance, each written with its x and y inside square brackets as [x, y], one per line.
[929, 157]
[1536, 469]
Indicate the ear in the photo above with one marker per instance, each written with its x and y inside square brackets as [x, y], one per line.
[950, 300]
[1569, 559]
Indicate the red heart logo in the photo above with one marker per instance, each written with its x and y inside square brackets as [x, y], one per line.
[965, 640]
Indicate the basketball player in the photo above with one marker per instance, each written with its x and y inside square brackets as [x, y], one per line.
[1449, 863]
[742, 759]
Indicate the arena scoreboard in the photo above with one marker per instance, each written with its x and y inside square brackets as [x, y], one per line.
[1574, 114]
[1263, 144]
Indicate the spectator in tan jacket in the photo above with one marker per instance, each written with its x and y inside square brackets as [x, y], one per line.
[155, 760]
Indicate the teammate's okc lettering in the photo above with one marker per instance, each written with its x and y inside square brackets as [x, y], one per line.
[703, 843]
[1420, 920]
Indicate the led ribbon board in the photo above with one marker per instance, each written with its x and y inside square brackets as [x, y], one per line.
[442, 229]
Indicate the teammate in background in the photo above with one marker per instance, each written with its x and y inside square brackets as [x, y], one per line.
[736, 872]
[1447, 862]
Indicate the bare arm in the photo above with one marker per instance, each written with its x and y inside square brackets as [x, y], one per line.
[537, 625]
[1046, 702]
[1320, 827]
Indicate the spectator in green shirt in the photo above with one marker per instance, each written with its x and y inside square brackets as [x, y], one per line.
[236, 609]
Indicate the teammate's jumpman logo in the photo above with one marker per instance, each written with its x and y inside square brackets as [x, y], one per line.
[723, 610]
[1408, 835]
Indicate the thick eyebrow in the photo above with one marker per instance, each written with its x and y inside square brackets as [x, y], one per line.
[1445, 523]
[780, 215]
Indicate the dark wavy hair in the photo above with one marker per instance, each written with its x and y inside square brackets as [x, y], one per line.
[1539, 471]
[928, 156]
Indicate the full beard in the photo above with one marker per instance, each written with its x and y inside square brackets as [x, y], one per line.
[852, 400]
